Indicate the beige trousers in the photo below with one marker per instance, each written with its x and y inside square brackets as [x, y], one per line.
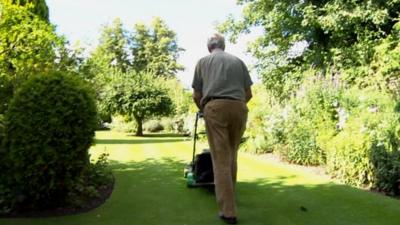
[225, 124]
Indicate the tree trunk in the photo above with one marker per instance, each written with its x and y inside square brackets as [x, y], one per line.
[139, 122]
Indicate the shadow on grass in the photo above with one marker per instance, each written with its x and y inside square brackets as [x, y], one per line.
[136, 141]
[154, 192]
[264, 201]
[164, 135]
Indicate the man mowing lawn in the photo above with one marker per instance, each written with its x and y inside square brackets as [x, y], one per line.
[221, 89]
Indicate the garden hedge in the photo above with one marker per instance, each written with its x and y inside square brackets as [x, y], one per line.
[49, 127]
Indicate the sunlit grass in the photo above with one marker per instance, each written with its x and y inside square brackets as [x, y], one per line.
[150, 190]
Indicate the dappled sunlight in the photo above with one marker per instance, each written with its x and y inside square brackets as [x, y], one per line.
[126, 148]
[253, 167]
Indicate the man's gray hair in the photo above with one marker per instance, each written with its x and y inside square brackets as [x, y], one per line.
[216, 41]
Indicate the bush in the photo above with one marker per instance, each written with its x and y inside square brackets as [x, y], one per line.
[176, 124]
[309, 121]
[153, 126]
[50, 126]
[366, 151]
[123, 124]
[302, 146]
[260, 135]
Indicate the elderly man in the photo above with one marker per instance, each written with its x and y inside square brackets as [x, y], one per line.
[221, 89]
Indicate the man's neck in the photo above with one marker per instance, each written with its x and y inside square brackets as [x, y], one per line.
[216, 50]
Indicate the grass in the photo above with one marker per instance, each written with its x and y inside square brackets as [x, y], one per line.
[150, 190]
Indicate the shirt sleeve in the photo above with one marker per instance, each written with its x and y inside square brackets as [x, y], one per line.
[247, 79]
[197, 83]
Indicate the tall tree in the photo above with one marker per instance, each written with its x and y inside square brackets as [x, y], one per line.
[146, 50]
[329, 35]
[112, 49]
[155, 49]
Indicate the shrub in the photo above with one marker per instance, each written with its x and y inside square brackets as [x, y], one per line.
[310, 121]
[365, 152]
[302, 146]
[153, 126]
[49, 128]
[261, 127]
[123, 124]
[169, 124]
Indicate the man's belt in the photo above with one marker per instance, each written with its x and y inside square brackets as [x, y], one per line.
[209, 99]
[219, 97]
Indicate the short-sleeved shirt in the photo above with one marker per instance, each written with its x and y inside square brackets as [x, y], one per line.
[221, 74]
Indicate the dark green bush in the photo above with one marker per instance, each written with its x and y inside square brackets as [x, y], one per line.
[49, 128]
[386, 162]
[1, 130]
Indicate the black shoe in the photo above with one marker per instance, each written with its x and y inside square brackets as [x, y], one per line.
[228, 220]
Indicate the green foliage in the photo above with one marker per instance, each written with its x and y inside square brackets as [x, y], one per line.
[174, 124]
[155, 49]
[386, 163]
[384, 69]
[151, 50]
[302, 146]
[28, 45]
[257, 135]
[38, 7]
[352, 131]
[98, 172]
[329, 35]
[331, 70]
[124, 124]
[311, 119]
[111, 51]
[181, 98]
[49, 128]
[138, 96]
[365, 151]
[2, 128]
[153, 126]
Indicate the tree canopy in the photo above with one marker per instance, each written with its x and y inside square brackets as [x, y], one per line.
[28, 45]
[112, 48]
[151, 49]
[299, 35]
[155, 49]
[138, 96]
[146, 52]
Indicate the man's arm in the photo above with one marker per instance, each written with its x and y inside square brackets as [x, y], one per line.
[249, 94]
[197, 98]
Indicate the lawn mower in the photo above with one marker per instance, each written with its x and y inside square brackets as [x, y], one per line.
[199, 172]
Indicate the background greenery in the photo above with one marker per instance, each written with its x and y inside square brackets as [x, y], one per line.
[330, 72]
[329, 91]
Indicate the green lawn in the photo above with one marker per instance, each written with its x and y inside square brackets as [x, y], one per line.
[150, 190]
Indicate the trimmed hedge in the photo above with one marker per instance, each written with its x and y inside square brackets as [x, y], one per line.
[49, 128]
